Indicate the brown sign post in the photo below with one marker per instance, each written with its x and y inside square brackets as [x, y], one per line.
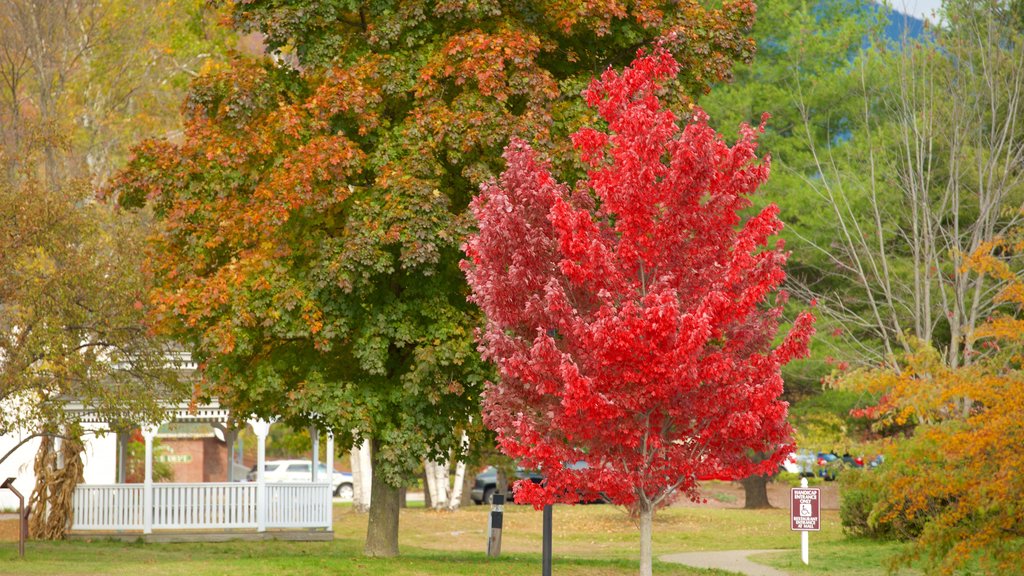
[806, 509]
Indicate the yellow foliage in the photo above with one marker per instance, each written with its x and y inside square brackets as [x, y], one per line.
[963, 471]
[965, 476]
[914, 394]
[821, 429]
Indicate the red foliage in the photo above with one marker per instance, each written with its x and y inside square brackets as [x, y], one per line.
[629, 317]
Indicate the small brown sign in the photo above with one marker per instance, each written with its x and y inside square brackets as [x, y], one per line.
[806, 510]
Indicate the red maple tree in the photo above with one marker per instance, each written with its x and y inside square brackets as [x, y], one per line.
[630, 317]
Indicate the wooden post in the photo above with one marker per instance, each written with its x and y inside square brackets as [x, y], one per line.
[148, 434]
[314, 436]
[329, 458]
[262, 429]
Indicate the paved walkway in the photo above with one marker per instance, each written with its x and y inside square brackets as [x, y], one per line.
[734, 560]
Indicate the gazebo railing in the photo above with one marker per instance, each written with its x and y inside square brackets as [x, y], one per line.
[201, 506]
[208, 506]
[107, 507]
[204, 506]
[296, 505]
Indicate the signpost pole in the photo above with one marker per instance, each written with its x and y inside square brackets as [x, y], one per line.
[546, 546]
[805, 514]
[804, 538]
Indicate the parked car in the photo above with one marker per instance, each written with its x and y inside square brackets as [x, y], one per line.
[810, 464]
[485, 485]
[853, 462]
[828, 465]
[792, 463]
[302, 471]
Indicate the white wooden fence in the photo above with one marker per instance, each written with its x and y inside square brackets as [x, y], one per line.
[206, 506]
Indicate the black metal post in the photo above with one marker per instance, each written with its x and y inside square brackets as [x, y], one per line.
[22, 517]
[546, 554]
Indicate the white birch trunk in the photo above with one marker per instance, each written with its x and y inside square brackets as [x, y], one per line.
[460, 475]
[366, 471]
[362, 476]
[357, 479]
[431, 480]
[443, 478]
[437, 483]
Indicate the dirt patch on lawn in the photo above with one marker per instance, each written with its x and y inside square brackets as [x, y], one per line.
[730, 495]
[9, 528]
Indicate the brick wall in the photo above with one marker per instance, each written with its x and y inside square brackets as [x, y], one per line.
[195, 459]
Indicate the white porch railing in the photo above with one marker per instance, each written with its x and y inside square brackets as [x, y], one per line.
[298, 505]
[206, 506]
[107, 507]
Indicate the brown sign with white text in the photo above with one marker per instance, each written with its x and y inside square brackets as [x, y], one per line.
[806, 511]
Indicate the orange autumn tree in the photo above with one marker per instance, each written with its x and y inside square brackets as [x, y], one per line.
[959, 481]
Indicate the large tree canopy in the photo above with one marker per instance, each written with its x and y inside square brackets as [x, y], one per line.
[311, 217]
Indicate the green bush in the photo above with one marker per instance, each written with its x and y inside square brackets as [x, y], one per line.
[864, 505]
[858, 497]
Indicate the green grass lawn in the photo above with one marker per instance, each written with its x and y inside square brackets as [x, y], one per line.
[588, 540]
[846, 557]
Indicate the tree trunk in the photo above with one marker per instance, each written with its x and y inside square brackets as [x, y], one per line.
[458, 486]
[439, 496]
[362, 472]
[427, 501]
[382, 529]
[357, 479]
[437, 483]
[467, 488]
[756, 490]
[646, 528]
[501, 484]
[366, 474]
[429, 485]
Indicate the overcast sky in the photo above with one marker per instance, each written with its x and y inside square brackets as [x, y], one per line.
[919, 8]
